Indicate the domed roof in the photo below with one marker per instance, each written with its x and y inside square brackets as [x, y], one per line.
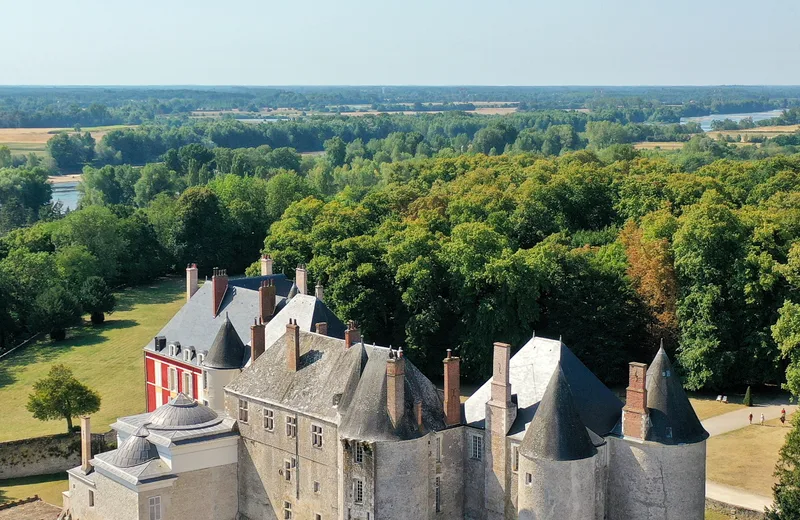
[182, 413]
[135, 450]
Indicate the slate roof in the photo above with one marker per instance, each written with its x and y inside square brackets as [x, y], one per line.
[672, 418]
[531, 369]
[557, 432]
[135, 450]
[227, 351]
[182, 413]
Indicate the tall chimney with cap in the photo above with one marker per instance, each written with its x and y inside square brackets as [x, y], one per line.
[352, 335]
[86, 444]
[266, 265]
[191, 280]
[257, 340]
[452, 389]
[634, 414]
[395, 386]
[266, 300]
[319, 292]
[301, 279]
[219, 284]
[500, 415]
[292, 345]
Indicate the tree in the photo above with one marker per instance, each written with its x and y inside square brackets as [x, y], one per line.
[155, 179]
[55, 310]
[786, 492]
[97, 299]
[335, 151]
[71, 151]
[748, 398]
[61, 396]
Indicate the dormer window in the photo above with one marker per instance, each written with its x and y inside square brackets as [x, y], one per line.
[187, 355]
[172, 350]
[201, 358]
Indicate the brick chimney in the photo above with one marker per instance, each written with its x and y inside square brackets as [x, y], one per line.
[191, 280]
[266, 265]
[395, 386]
[257, 340]
[418, 413]
[319, 292]
[301, 279]
[86, 444]
[352, 335]
[634, 414]
[452, 389]
[322, 328]
[292, 346]
[219, 284]
[266, 300]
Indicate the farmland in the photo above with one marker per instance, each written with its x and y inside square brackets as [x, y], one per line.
[23, 141]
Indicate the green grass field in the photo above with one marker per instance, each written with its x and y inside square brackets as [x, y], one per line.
[48, 487]
[107, 358]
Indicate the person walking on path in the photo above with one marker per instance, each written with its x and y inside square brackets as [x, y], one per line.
[762, 419]
[783, 416]
[751, 418]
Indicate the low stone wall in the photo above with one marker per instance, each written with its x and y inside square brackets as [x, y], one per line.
[738, 513]
[45, 455]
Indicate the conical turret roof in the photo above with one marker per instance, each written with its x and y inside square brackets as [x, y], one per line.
[227, 351]
[293, 291]
[672, 418]
[135, 450]
[557, 432]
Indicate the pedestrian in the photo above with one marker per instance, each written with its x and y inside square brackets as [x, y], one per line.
[751, 418]
[783, 416]
[762, 419]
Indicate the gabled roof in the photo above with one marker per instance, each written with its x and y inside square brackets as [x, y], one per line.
[672, 418]
[367, 416]
[557, 432]
[530, 371]
[227, 351]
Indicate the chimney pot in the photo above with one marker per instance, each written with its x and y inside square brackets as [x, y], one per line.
[301, 279]
[452, 389]
[257, 340]
[319, 292]
[191, 280]
[292, 346]
[322, 328]
[635, 412]
[266, 300]
[352, 335]
[219, 285]
[86, 444]
[266, 265]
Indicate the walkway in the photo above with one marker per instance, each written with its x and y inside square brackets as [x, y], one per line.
[729, 422]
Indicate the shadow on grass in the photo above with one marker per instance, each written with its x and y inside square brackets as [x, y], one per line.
[27, 481]
[159, 291]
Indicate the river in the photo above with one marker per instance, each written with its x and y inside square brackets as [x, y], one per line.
[66, 193]
[705, 121]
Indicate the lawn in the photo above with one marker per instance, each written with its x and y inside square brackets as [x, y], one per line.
[715, 515]
[48, 487]
[107, 358]
[746, 458]
[707, 406]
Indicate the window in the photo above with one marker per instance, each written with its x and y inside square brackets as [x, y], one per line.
[91, 498]
[287, 511]
[528, 479]
[188, 386]
[269, 420]
[438, 449]
[154, 505]
[187, 355]
[358, 491]
[666, 373]
[358, 453]
[291, 426]
[172, 350]
[243, 410]
[201, 358]
[316, 436]
[514, 458]
[477, 447]
[287, 470]
[317, 516]
[438, 494]
[317, 487]
[669, 432]
[173, 379]
[205, 403]
[205, 380]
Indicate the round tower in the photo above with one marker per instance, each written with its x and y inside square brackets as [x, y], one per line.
[557, 460]
[224, 361]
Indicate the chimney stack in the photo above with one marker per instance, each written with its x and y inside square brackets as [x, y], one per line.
[219, 284]
[292, 346]
[319, 292]
[301, 279]
[634, 414]
[266, 265]
[395, 387]
[501, 386]
[86, 444]
[322, 328]
[352, 335]
[452, 389]
[257, 340]
[418, 413]
[191, 280]
[266, 300]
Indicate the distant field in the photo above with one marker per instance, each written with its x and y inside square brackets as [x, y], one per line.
[107, 358]
[763, 131]
[666, 145]
[23, 141]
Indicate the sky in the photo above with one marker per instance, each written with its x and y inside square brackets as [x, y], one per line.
[386, 42]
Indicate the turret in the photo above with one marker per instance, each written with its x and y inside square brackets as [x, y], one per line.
[224, 361]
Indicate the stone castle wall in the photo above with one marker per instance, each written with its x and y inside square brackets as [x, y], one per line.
[44, 455]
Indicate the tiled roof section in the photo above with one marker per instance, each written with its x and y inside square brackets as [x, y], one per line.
[282, 284]
[182, 413]
[368, 418]
[531, 369]
[227, 351]
[135, 450]
[307, 311]
[672, 418]
[557, 432]
[320, 387]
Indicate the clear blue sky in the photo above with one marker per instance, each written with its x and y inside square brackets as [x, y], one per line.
[413, 42]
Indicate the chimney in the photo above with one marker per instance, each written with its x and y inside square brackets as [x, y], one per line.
[219, 284]
[395, 387]
[301, 279]
[191, 280]
[86, 444]
[501, 387]
[452, 389]
[319, 292]
[634, 414]
[160, 343]
[266, 265]
[352, 335]
[292, 346]
[266, 300]
[322, 328]
[257, 340]
[418, 413]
